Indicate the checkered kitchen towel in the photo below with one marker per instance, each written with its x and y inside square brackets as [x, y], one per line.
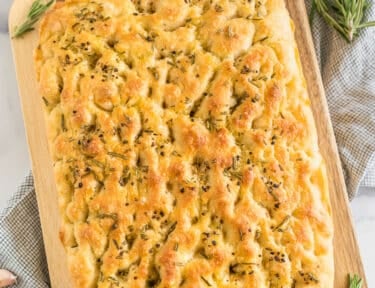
[348, 72]
[21, 242]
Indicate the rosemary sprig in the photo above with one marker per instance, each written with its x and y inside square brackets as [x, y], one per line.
[355, 281]
[36, 10]
[346, 16]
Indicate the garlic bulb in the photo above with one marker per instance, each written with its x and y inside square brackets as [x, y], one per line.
[7, 278]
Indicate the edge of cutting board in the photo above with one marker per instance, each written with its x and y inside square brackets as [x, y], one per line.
[41, 161]
[347, 255]
[346, 250]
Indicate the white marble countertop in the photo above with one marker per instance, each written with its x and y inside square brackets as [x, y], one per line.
[14, 159]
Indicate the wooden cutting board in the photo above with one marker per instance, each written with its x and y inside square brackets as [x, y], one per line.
[347, 256]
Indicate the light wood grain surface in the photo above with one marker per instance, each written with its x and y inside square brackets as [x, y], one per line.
[33, 115]
[347, 257]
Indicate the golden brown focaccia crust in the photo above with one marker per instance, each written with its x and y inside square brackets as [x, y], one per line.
[184, 147]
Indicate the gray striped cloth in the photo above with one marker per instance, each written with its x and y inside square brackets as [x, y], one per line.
[348, 73]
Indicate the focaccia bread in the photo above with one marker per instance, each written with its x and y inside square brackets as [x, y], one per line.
[185, 152]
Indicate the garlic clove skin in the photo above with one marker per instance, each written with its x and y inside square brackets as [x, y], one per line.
[7, 278]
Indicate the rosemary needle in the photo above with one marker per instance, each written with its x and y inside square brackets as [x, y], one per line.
[346, 16]
[36, 10]
[355, 281]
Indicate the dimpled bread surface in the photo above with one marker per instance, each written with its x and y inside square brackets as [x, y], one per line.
[184, 147]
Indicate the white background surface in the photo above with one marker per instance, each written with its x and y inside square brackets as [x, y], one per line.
[14, 159]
